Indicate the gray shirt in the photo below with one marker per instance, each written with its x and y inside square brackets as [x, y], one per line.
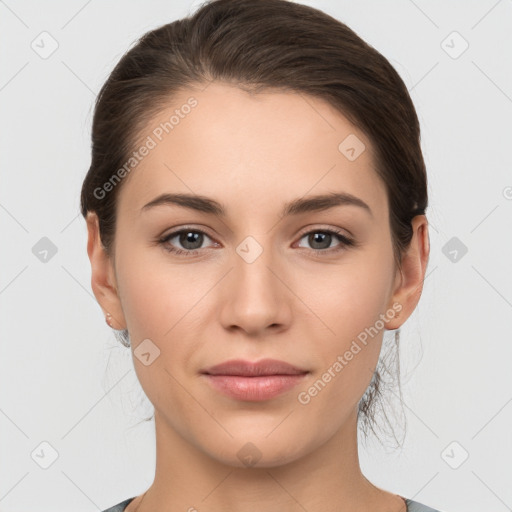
[412, 506]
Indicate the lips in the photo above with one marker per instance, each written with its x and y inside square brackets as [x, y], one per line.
[254, 389]
[239, 367]
[254, 382]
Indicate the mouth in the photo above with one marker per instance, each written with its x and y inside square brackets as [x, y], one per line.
[262, 380]
[242, 368]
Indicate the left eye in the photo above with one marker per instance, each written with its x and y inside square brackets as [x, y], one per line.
[192, 240]
[321, 239]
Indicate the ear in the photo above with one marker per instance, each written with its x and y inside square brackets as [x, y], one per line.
[103, 279]
[409, 280]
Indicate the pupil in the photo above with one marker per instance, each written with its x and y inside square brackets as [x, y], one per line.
[190, 237]
[319, 238]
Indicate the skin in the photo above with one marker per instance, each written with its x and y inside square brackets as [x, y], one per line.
[253, 153]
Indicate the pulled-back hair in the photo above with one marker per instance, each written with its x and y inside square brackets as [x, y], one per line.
[257, 46]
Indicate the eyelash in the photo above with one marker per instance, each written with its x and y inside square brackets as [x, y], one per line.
[344, 241]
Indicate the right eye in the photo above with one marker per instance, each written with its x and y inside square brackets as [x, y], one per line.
[187, 237]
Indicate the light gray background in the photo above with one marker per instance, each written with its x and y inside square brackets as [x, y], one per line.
[67, 382]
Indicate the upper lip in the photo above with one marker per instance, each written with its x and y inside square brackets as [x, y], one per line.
[250, 369]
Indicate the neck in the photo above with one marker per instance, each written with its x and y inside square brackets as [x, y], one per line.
[327, 478]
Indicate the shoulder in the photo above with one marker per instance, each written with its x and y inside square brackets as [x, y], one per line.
[120, 506]
[414, 506]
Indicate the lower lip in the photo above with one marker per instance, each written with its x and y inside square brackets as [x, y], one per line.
[254, 389]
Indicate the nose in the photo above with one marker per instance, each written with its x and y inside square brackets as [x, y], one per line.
[255, 295]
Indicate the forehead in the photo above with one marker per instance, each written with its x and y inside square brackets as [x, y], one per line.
[267, 148]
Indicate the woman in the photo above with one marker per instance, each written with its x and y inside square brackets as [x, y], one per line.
[255, 209]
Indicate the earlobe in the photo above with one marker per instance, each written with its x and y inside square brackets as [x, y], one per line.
[103, 280]
[409, 279]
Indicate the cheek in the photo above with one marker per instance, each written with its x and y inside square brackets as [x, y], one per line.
[158, 304]
[349, 300]
[143, 305]
[154, 295]
[164, 303]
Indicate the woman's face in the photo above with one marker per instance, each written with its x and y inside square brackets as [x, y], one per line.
[256, 284]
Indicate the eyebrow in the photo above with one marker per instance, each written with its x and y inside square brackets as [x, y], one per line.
[297, 206]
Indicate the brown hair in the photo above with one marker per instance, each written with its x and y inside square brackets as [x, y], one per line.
[258, 45]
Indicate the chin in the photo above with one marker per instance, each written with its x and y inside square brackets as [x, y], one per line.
[260, 452]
